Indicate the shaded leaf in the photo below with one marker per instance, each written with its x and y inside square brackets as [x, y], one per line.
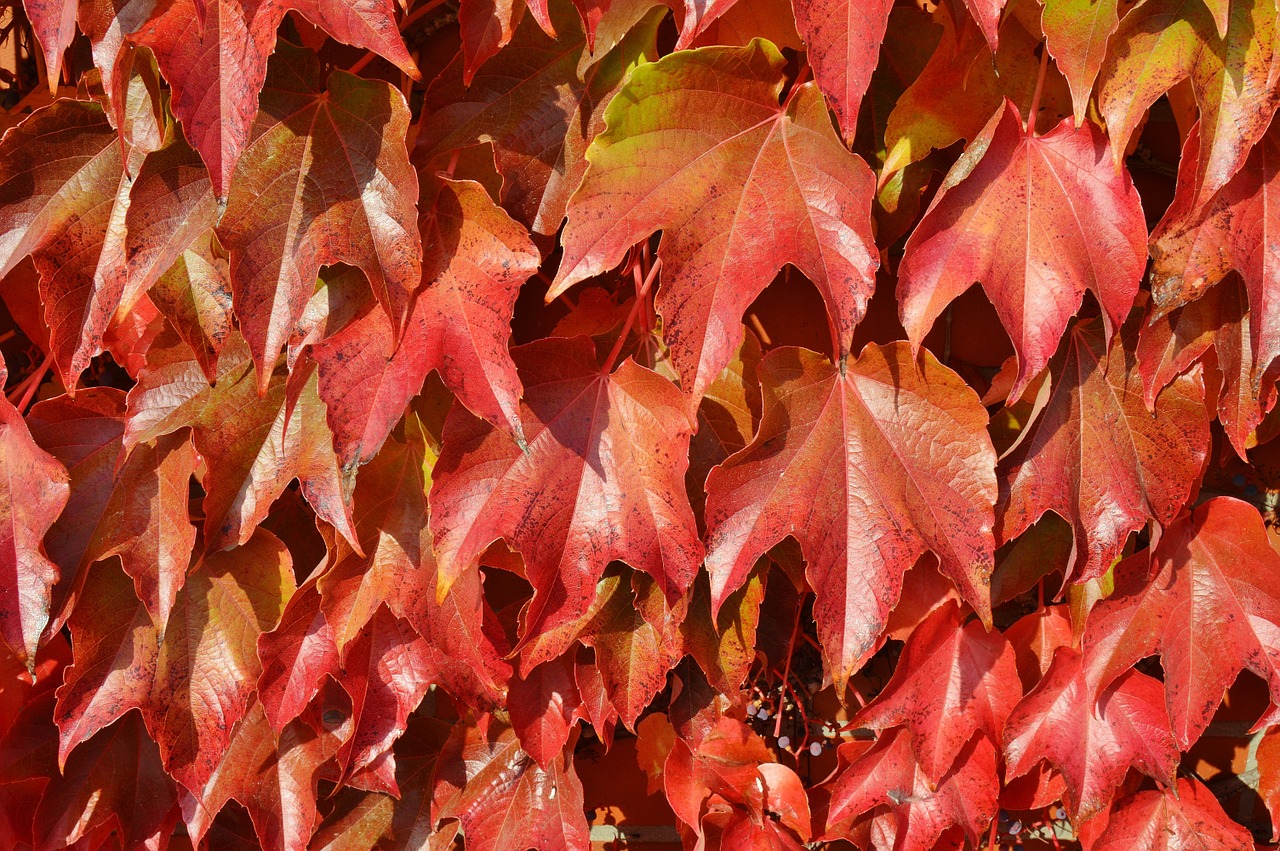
[1140, 466]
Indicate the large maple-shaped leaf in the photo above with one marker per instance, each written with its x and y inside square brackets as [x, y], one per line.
[1185, 817]
[761, 184]
[1140, 467]
[34, 488]
[214, 55]
[114, 781]
[400, 571]
[1234, 79]
[1093, 736]
[863, 518]
[952, 680]
[253, 445]
[601, 479]
[134, 507]
[476, 260]
[1080, 228]
[326, 179]
[272, 776]
[843, 38]
[194, 681]
[1206, 601]
[504, 801]
[540, 115]
[887, 775]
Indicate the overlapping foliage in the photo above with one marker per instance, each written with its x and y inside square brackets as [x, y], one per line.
[867, 403]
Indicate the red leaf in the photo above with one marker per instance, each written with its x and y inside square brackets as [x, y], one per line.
[477, 260]
[214, 55]
[1206, 600]
[636, 640]
[761, 185]
[863, 527]
[386, 671]
[543, 707]
[339, 191]
[115, 778]
[70, 216]
[253, 445]
[602, 479]
[274, 777]
[1076, 33]
[504, 801]
[134, 507]
[1234, 79]
[979, 689]
[1139, 467]
[400, 570]
[296, 656]
[1221, 320]
[539, 113]
[1084, 229]
[1092, 735]
[1034, 638]
[193, 682]
[887, 776]
[843, 38]
[1181, 818]
[1268, 755]
[34, 489]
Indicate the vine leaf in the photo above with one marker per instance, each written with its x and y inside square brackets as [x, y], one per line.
[253, 445]
[760, 185]
[325, 179]
[500, 795]
[34, 490]
[539, 113]
[1076, 33]
[214, 55]
[1091, 735]
[843, 38]
[194, 681]
[981, 689]
[602, 478]
[1081, 228]
[115, 781]
[477, 259]
[1152, 462]
[861, 522]
[1234, 77]
[1186, 816]
[1212, 584]
[887, 775]
[134, 507]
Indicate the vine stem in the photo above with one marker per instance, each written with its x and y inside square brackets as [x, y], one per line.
[1035, 96]
[31, 383]
[786, 673]
[631, 317]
